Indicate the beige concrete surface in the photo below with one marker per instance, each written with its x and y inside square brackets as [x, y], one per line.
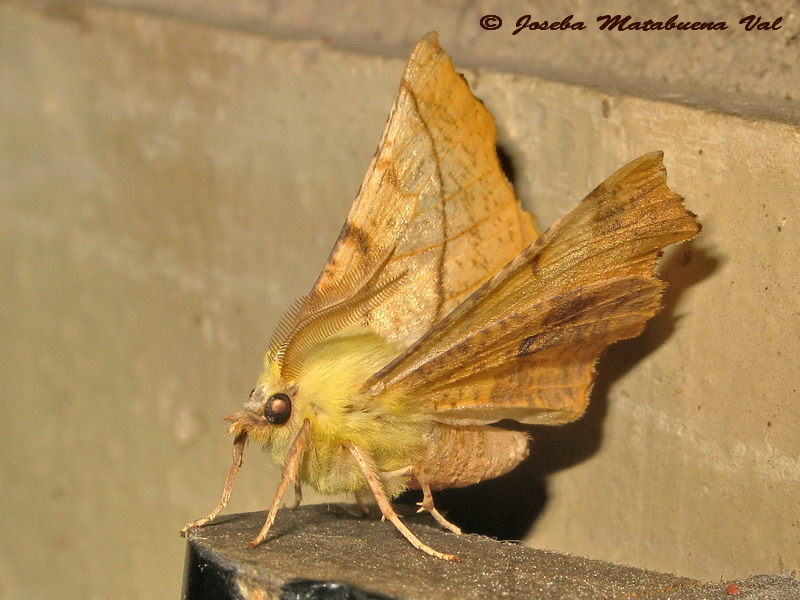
[736, 70]
[169, 187]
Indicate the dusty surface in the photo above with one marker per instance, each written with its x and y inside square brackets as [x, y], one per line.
[327, 544]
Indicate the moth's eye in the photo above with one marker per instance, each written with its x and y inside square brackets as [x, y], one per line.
[278, 409]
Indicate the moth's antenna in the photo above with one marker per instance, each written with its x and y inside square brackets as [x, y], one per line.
[284, 327]
[304, 308]
[327, 321]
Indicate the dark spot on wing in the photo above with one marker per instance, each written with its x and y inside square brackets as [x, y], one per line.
[355, 234]
[569, 305]
[534, 263]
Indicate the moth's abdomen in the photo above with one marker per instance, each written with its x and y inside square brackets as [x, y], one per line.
[461, 456]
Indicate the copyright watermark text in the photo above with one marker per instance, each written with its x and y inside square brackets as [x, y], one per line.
[628, 23]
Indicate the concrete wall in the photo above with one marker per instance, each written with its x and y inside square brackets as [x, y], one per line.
[174, 174]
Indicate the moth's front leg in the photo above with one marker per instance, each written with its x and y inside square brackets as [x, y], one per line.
[290, 469]
[238, 451]
[372, 475]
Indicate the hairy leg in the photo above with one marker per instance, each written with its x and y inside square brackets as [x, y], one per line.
[298, 494]
[427, 495]
[290, 469]
[238, 450]
[360, 502]
[427, 503]
[367, 467]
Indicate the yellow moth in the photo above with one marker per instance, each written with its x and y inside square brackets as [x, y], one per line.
[440, 311]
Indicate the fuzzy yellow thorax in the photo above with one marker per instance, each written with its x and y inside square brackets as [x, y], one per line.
[389, 426]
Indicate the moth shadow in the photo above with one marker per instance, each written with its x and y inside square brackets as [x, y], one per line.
[506, 508]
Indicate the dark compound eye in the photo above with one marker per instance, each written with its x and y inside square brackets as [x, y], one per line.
[278, 409]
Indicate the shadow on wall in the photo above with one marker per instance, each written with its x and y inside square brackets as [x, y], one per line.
[505, 508]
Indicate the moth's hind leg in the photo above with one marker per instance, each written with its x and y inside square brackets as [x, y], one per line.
[298, 494]
[363, 509]
[427, 496]
[373, 478]
[427, 503]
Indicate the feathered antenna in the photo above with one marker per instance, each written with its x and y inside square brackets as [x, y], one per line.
[312, 303]
[309, 304]
[284, 328]
[327, 321]
[318, 315]
[339, 290]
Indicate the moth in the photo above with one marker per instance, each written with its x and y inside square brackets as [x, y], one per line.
[440, 312]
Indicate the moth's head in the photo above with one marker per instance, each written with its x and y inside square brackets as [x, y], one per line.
[271, 415]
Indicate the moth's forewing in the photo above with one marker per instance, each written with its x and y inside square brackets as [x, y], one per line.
[523, 347]
[435, 195]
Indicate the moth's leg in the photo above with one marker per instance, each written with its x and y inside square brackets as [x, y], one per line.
[298, 494]
[290, 469]
[404, 472]
[427, 496]
[367, 467]
[427, 503]
[386, 476]
[238, 450]
[360, 502]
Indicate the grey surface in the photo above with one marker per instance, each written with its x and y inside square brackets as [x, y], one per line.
[329, 543]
